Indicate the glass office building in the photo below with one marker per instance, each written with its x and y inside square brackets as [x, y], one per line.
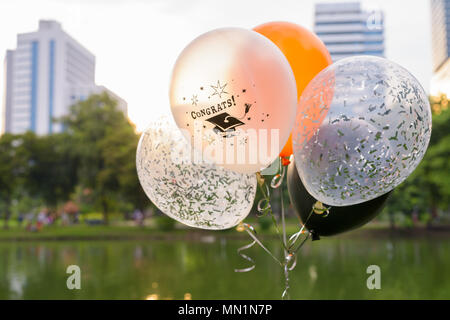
[44, 75]
[440, 27]
[347, 29]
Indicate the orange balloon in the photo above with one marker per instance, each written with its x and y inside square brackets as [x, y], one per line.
[287, 150]
[306, 54]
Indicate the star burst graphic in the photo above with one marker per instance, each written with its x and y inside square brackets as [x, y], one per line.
[219, 90]
[194, 100]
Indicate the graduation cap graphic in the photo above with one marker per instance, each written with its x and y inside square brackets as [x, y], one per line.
[225, 123]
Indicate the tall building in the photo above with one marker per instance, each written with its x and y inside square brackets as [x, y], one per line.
[440, 27]
[47, 73]
[348, 30]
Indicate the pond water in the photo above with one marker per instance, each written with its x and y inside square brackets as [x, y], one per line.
[334, 268]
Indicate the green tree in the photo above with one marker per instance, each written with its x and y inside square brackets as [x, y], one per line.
[51, 172]
[12, 172]
[104, 142]
[436, 166]
[428, 187]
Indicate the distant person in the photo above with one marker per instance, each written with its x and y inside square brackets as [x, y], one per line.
[76, 217]
[41, 219]
[29, 221]
[138, 217]
[65, 219]
[20, 219]
[51, 218]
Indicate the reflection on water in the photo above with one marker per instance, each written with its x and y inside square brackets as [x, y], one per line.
[327, 269]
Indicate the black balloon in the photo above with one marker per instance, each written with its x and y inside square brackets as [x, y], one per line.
[340, 219]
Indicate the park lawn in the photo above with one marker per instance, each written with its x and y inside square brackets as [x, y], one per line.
[80, 231]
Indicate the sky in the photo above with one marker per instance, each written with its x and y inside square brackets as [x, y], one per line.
[136, 42]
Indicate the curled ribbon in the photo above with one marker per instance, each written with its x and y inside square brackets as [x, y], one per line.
[252, 232]
[246, 257]
[277, 180]
[290, 246]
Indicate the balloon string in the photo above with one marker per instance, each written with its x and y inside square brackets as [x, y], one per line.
[263, 210]
[285, 294]
[290, 263]
[293, 239]
[277, 180]
[283, 219]
[252, 232]
[301, 245]
[268, 208]
[290, 249]
[290, 254]
[290, 257]
[246, 257]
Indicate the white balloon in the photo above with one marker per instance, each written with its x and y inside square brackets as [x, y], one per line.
[199, 195]
[373, 126]
[234, 93]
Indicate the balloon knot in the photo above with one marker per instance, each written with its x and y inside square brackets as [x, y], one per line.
[314, 235]
[285, 161]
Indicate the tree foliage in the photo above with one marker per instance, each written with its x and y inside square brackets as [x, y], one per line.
[12, 172]
[428, 188]
[104, 143]
[95, 154]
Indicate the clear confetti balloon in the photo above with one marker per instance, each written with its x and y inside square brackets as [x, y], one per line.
[192, 192]
[234, 93]
[373, 126]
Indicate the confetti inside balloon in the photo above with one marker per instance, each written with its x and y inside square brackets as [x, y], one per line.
[234, 93]
[198, 195]
[371, 135]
